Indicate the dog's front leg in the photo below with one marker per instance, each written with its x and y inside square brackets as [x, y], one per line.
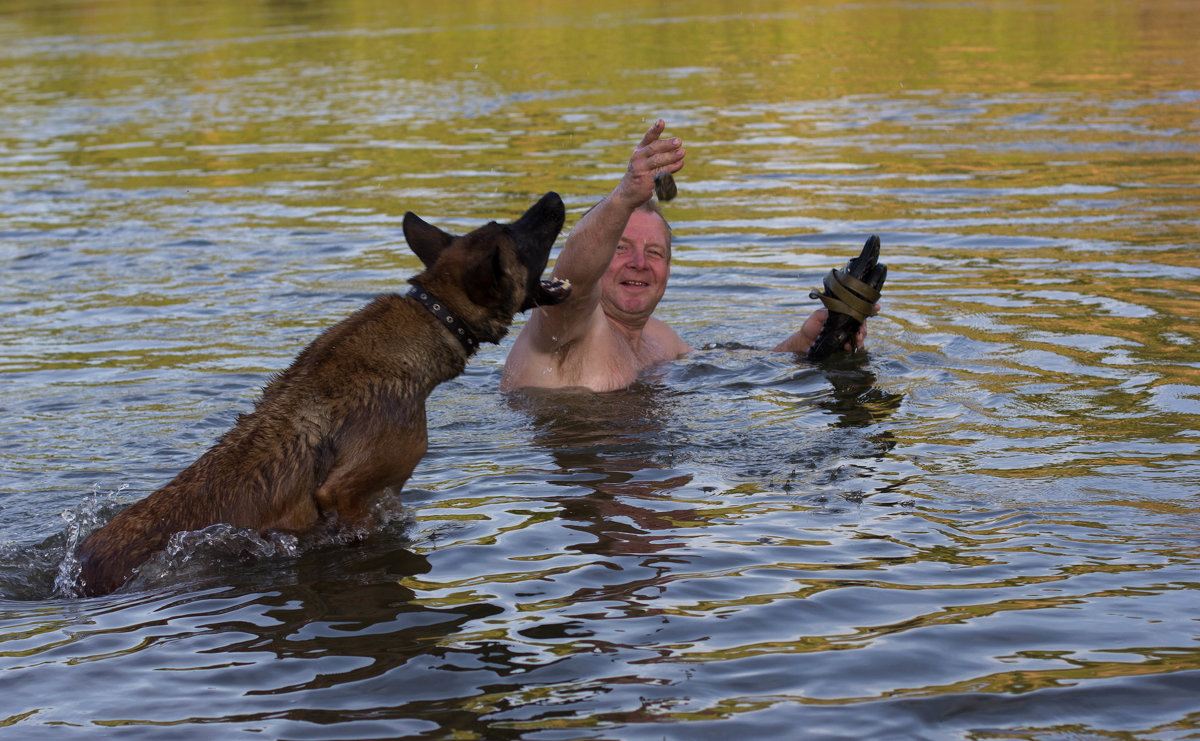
[372, 454]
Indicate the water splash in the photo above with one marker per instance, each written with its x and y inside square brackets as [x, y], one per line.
[188, 555]
[81, 520]
[199, 553]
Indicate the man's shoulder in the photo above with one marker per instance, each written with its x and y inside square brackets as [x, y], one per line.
[666, 339]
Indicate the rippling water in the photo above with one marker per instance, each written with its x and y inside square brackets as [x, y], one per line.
[985, 527]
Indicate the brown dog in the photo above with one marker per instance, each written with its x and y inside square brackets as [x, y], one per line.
[347, 419]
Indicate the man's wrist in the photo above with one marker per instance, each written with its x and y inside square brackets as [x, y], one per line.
[625, 202]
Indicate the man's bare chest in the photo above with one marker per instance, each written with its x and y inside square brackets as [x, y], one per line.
[608, 360]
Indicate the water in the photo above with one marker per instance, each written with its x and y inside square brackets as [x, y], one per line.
[986, 527]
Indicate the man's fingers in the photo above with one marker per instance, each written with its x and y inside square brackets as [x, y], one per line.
[671, 159]
[651, 156]
[654, 132]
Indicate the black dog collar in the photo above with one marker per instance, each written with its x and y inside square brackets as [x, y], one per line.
[453, 323]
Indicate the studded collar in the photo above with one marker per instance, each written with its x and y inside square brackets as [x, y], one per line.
[451, 322]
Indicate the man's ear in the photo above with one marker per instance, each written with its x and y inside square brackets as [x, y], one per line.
[426, 240]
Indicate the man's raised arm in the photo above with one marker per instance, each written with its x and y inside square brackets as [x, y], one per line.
[593, 240]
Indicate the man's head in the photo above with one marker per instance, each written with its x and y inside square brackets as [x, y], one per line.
[652, 206]
[637, 276]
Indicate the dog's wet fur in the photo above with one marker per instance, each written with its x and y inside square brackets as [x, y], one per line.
[347, 419]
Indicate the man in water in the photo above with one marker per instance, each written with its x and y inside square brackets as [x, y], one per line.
[618, 259]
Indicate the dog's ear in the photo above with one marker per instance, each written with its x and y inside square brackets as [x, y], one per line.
[425, 239]
[485, 286]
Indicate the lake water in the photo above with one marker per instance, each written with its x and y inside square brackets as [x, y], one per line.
[987, 526]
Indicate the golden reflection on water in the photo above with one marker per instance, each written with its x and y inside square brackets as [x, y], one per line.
[361, 101]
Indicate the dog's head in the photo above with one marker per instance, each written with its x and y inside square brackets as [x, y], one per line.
[489, 275]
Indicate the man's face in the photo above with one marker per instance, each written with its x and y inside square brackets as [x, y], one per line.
[637, 276]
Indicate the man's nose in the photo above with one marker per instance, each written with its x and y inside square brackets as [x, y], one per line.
[637, 257]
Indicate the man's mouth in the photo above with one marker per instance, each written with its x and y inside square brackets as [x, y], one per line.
[636, 283]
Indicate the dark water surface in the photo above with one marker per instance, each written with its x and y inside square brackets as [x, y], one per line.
[986, 527]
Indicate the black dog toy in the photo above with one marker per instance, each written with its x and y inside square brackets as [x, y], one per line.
[850, 295]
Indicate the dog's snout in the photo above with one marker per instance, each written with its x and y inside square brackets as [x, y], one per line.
[536, 230]
[544, 219]
[552, 203]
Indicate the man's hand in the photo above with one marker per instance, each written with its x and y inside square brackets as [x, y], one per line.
[651, 156]
[808, 332]
[812, 328]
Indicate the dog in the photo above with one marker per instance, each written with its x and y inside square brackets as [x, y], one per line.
[347, 419]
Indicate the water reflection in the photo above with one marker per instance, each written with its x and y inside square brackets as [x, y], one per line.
[618, 448]
[858, 399]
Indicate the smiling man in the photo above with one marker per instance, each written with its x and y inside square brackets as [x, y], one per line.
[618, 259]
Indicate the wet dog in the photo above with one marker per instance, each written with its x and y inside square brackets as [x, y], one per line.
[347, 419]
